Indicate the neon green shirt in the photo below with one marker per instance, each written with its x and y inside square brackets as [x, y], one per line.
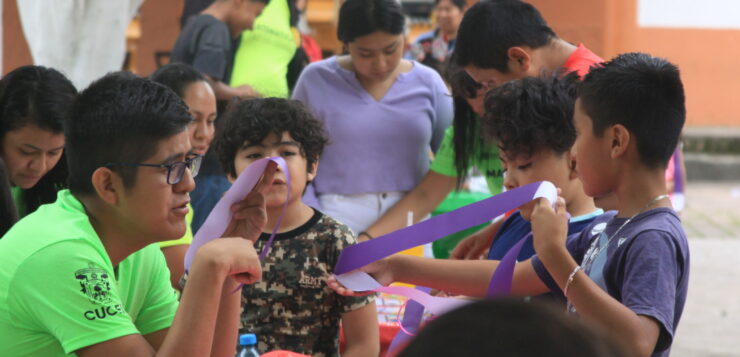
[59, 291]
[485, 158]
[264, 52]
[20, 206]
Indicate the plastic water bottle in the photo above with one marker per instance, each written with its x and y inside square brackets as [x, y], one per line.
[248, 345]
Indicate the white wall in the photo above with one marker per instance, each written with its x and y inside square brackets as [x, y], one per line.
[715, 14]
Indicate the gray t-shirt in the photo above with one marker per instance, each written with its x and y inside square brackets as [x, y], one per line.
[205, 44]
[646, 267]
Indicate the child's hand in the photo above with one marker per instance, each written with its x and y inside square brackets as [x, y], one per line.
[473, 246]
[249, 215]
[379, 270]
[246, 91]
[549, 226]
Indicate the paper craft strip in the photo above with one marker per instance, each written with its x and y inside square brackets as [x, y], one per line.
[217, 221]
[412, 317]
[359, 255]
[437, 227]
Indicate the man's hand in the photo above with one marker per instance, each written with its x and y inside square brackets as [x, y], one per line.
[231, 257]
[249, 216]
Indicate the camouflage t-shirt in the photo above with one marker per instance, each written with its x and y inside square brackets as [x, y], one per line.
[292, 308]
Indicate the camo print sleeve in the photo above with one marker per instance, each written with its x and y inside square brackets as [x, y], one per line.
[292, 308]
[345, 238]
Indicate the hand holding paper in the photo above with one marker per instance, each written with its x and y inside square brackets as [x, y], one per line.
[549, 225]
[248, 216]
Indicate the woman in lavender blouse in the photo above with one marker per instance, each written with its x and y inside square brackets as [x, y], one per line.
[384, 114]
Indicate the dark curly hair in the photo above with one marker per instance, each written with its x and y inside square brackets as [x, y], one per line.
[532, 114]
[251, 120]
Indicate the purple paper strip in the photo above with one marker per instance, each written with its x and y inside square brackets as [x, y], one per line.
[217, 221]
[500, 284]
[359, 255]
[677, 172]
[410, 322]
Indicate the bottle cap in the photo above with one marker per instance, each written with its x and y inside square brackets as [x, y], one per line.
[247, 339]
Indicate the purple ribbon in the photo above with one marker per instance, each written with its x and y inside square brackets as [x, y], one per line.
[501, 280]
[217, 221]
[677, 172]
[359, 255]
[410, 322]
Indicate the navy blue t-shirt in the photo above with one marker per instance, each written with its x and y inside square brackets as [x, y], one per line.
[515, 228]
[646, 267]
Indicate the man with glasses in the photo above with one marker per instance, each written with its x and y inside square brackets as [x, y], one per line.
[81, 275]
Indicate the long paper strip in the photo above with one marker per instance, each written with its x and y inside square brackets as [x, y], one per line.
[217, 221]
[437, 227]
[359, 255]
[412, 317]
[678, 198]
[501, 280]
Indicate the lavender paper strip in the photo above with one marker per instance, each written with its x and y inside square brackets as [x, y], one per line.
[217, 221]
[421, 233]
[359, 255]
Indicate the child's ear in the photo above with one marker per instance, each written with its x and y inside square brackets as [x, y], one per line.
[519, 60]
[231, 178]
[573, 175]
[107, 185]
[312, 171]
[620, 140]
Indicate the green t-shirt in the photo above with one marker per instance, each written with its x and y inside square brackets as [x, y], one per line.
[485, 158]
[20, 206]
[263, 55]
[59, 291]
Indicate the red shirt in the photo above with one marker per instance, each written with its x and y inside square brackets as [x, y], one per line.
[581, 60]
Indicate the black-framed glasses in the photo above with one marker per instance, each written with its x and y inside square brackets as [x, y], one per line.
[175, 170]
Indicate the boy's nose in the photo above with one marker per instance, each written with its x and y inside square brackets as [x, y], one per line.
[509, 182]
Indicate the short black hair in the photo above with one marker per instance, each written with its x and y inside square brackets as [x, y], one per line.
[120, 118]
[490, 28]
[510, 327]
[460, 4]
[40, 96]
[532, 114]
[177, 76]
[358, 18]
[251, 120]
[643, 93]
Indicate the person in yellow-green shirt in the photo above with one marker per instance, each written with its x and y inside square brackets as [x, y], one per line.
[194, 89]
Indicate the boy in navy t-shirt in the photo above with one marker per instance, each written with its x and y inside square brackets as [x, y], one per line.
[522, 116]
[628, 271]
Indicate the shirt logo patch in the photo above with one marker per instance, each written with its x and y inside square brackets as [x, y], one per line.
[597, 229]
[95, 284]
[621, 240]
[308, 281]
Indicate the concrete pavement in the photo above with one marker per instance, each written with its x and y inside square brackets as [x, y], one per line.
[710, 325]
